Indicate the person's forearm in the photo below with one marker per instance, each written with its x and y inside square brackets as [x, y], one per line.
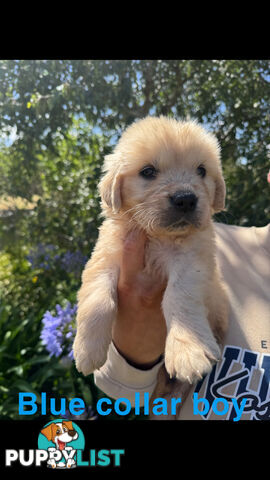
[137, 338]
[139, 331]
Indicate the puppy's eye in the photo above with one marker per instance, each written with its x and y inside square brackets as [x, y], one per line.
[201, 170]
[148, 172]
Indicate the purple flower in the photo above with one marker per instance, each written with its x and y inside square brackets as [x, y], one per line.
[73, 262]
[42, 256]
[45, 256]
[58, 331]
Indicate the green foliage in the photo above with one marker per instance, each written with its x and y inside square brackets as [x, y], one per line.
[39, 99]
[58, 119]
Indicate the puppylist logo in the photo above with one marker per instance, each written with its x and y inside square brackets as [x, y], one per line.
[61, 439]
[60, 446]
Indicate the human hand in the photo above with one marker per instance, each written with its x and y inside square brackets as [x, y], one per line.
[139, 331]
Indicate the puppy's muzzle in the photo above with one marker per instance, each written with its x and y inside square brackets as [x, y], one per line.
[184, 202]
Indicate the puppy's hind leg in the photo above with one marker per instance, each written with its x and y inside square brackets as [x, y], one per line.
[97, 306]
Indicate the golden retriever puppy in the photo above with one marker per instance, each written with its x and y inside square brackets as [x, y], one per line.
[164, 177]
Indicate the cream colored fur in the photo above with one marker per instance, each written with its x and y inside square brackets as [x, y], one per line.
[194, 302]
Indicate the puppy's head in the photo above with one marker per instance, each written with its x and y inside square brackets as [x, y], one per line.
[60, 433]
[165, 176]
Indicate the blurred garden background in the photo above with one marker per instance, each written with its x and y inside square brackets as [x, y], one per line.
[58, 118]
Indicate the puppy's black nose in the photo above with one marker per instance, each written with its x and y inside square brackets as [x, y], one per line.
[184, 201]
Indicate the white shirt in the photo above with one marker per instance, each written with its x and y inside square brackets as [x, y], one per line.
[243, 254]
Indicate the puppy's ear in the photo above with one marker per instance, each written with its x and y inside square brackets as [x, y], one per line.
[220, 194]
[110, 186]
[48, 432]
[69, 425]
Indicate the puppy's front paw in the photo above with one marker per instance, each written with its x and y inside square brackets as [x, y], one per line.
[188, 360]
[89, 355]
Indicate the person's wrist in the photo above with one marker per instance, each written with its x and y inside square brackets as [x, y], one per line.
[147, 365]
[144, 366]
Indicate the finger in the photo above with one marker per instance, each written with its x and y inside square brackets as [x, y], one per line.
[132, 261]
